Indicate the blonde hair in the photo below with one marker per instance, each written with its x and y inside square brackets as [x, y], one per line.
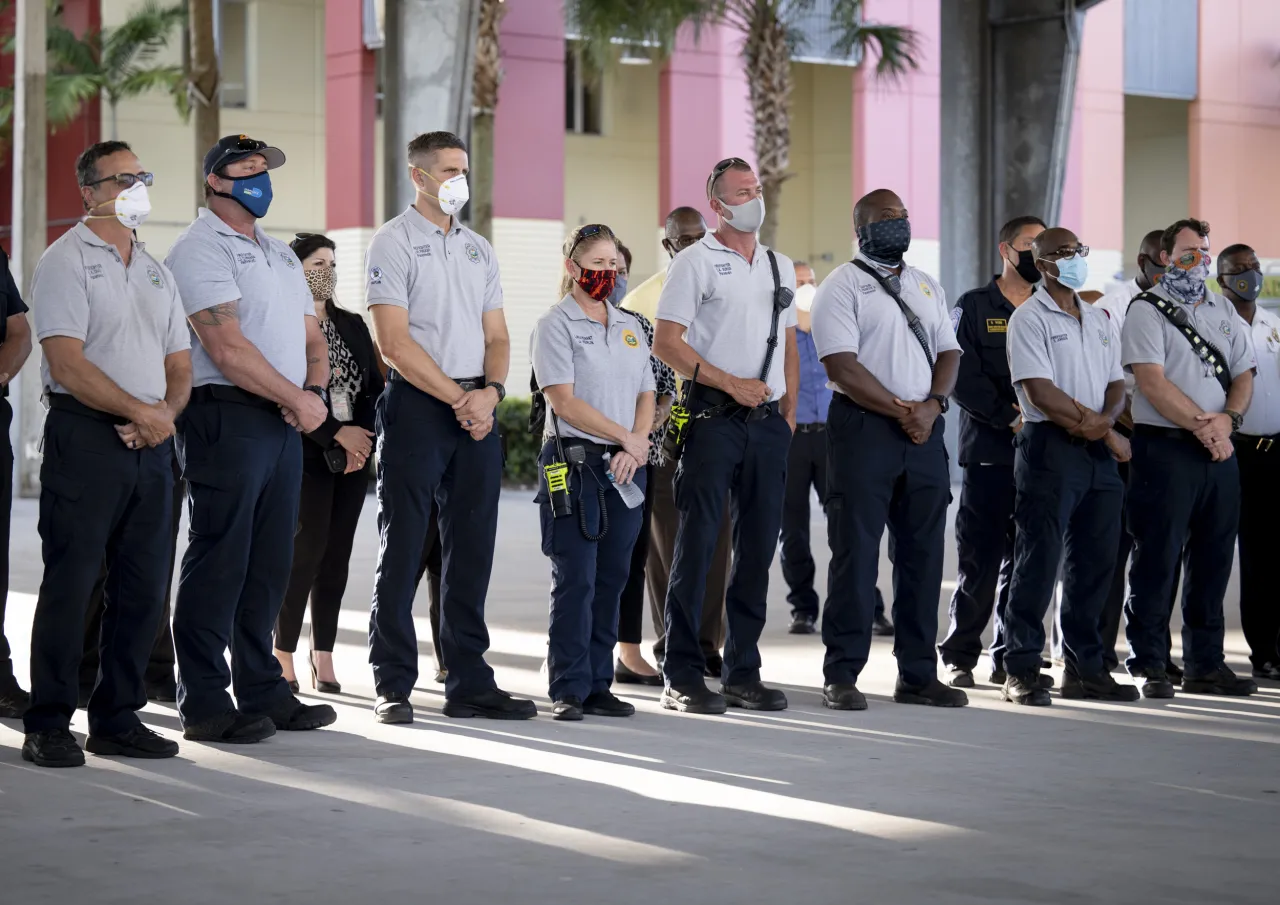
[575, 247]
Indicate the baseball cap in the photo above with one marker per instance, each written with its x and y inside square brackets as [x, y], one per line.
[237, 147]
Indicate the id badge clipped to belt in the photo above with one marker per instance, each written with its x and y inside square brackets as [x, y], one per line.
[340, 402]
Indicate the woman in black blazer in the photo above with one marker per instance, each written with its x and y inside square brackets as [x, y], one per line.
[335, 477]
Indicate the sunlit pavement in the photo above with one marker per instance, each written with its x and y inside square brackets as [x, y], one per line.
[1167, 802]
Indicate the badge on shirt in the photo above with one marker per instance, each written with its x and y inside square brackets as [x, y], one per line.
[288, 260]
[997, 325]
[924, 287]
[375, 276]
[956, 313]
[1225, 327]
[340, 402]
[473, 253]
[154, 276]
[1102, 335]
[630, 339]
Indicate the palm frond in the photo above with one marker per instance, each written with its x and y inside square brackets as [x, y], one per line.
[66, 94]
[600, 22]
[148, 28]
[69, 52]
[898, 47]
[139, 81]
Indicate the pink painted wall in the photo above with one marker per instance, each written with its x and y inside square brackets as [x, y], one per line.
[529, 123]
[1234, 129]
[1093, 192]
[896, 126]
[704, 116]
[350, 117]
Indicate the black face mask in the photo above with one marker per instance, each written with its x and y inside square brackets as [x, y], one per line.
[1151, 270]
[885, 241]
[1026, 266]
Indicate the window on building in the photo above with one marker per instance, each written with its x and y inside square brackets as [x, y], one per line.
[582, 91]
[232, 29]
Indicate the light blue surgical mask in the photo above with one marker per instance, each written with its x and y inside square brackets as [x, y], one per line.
[1073, 272]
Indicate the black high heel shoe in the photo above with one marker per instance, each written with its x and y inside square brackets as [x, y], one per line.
[322, 687]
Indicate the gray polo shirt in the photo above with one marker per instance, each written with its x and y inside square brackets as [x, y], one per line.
[129, 318]
[446, 282]
[214, 264]
[851, 313]
[1081, 358]
[1147, 337]
[608, 366]
[726, 305]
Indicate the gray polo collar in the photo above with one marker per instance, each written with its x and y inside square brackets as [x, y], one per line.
[89, 237]
[222, 227]
[426, 227]
[1045, 299]
[574, 312]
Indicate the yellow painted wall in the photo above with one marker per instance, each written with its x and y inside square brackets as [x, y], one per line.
[1156, 169]
[613, 178]
[285, 107]
[816, 217]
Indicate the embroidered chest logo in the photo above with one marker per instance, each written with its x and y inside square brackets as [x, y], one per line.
[584, 340]
[997, 325]
[956, 314]
[422, 251]
[94, 271]
[246, 257]
[288, 260]
[154, 276]
[375, 276]
[473, 253]
[1225, 327]
[1104, 338]
[924, 287]
[724, 269]
[629, 338]
[1059, 338]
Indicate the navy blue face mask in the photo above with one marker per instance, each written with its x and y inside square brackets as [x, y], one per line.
[253, 193]
[885, 241]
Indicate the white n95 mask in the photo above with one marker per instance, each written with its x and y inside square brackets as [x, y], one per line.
[804, 296]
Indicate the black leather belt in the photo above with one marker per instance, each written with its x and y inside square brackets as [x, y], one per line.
[1257, 443]
[815, 427]
[592, 449]
[467, 383]
[65, 402]
[720, 399]
[1169, 433]
[216, 392]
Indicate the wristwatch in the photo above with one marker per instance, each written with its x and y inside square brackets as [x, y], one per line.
[319, 391]
[943, 402]
[502, 391]
[1237, 419]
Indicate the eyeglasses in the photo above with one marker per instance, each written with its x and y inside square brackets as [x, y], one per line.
[723, 167]
[125, 179]
[1081, 250]
[586, 232]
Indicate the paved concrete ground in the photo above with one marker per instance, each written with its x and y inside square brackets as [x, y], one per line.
[1153, 802]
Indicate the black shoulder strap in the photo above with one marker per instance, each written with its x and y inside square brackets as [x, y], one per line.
[781, 301]
[913, 319]
[1207, 351]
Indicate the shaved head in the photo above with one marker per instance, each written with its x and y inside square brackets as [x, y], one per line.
[684, 220]
[1051, 240]
[1151, 244]
[881, 204]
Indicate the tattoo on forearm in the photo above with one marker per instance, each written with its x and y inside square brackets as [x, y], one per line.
[312, 360]
[218, 314]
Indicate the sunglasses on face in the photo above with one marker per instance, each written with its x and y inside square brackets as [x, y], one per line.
[1081, 250]
[125, 180]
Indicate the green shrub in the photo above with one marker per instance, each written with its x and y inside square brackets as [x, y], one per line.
[522, 446]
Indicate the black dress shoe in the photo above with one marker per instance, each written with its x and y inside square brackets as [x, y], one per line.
[714, 668]
[294, 716]
[754, 696]
[1221, 681]
[1025, 690]
[1174, 672]
[567, 709]
[843, 696]
[882, 626]
[932, 694]
[959, 677]
[624, 675]
[999, 677]
[1155, 683]
[52, 748]
[1265, 671]
[232, 728]
[802, 624]
[164, 691]
[442, 676]
[393, 708]
[13, 702]
[606, 703]
[138, 741]
[493, 704]
[1101, 687]
[697, 698]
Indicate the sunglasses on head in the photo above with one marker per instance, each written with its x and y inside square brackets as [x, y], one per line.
[251, 145]
[723, 167]
[125, 179]
[587, 232]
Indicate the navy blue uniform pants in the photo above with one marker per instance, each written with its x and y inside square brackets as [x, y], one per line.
[747, 461]
[879, 478]
[98, 500]
[243, 467]
[984, 549]
[6, 503]
[1069, 499]
[587, 577]
[425, 457]
[806, 469]
[1181, 504]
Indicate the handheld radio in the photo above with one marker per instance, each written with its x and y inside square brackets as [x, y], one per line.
[678, 420]
[556, 475]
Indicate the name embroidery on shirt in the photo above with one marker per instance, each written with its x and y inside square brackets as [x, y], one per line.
[630, 339]
[154, 276]
[997, 325]
[1059, 338]
[473, 253]
[375, 276]
[94, 271]
[246, 257]
[422, 251]
[582, 340]
[724, 269]
[870, 288]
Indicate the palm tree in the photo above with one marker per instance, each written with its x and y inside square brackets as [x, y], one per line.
[484, 101]
[202, 85]
[770, 36]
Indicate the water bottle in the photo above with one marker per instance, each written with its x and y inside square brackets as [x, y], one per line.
[632, 496]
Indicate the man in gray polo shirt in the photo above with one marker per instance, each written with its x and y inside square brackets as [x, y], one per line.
[1064, 362]
[436, 301]
[726, 311]
[260, 367]
[116, 372]
[1184, 489]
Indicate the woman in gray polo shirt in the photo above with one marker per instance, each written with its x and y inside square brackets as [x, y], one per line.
[592, 362]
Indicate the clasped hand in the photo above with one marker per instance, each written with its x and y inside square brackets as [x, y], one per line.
[151, 425]
[474, 411]
[1215, 433]
[917, 419]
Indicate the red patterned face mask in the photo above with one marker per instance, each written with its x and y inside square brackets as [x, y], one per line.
[598, 283]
